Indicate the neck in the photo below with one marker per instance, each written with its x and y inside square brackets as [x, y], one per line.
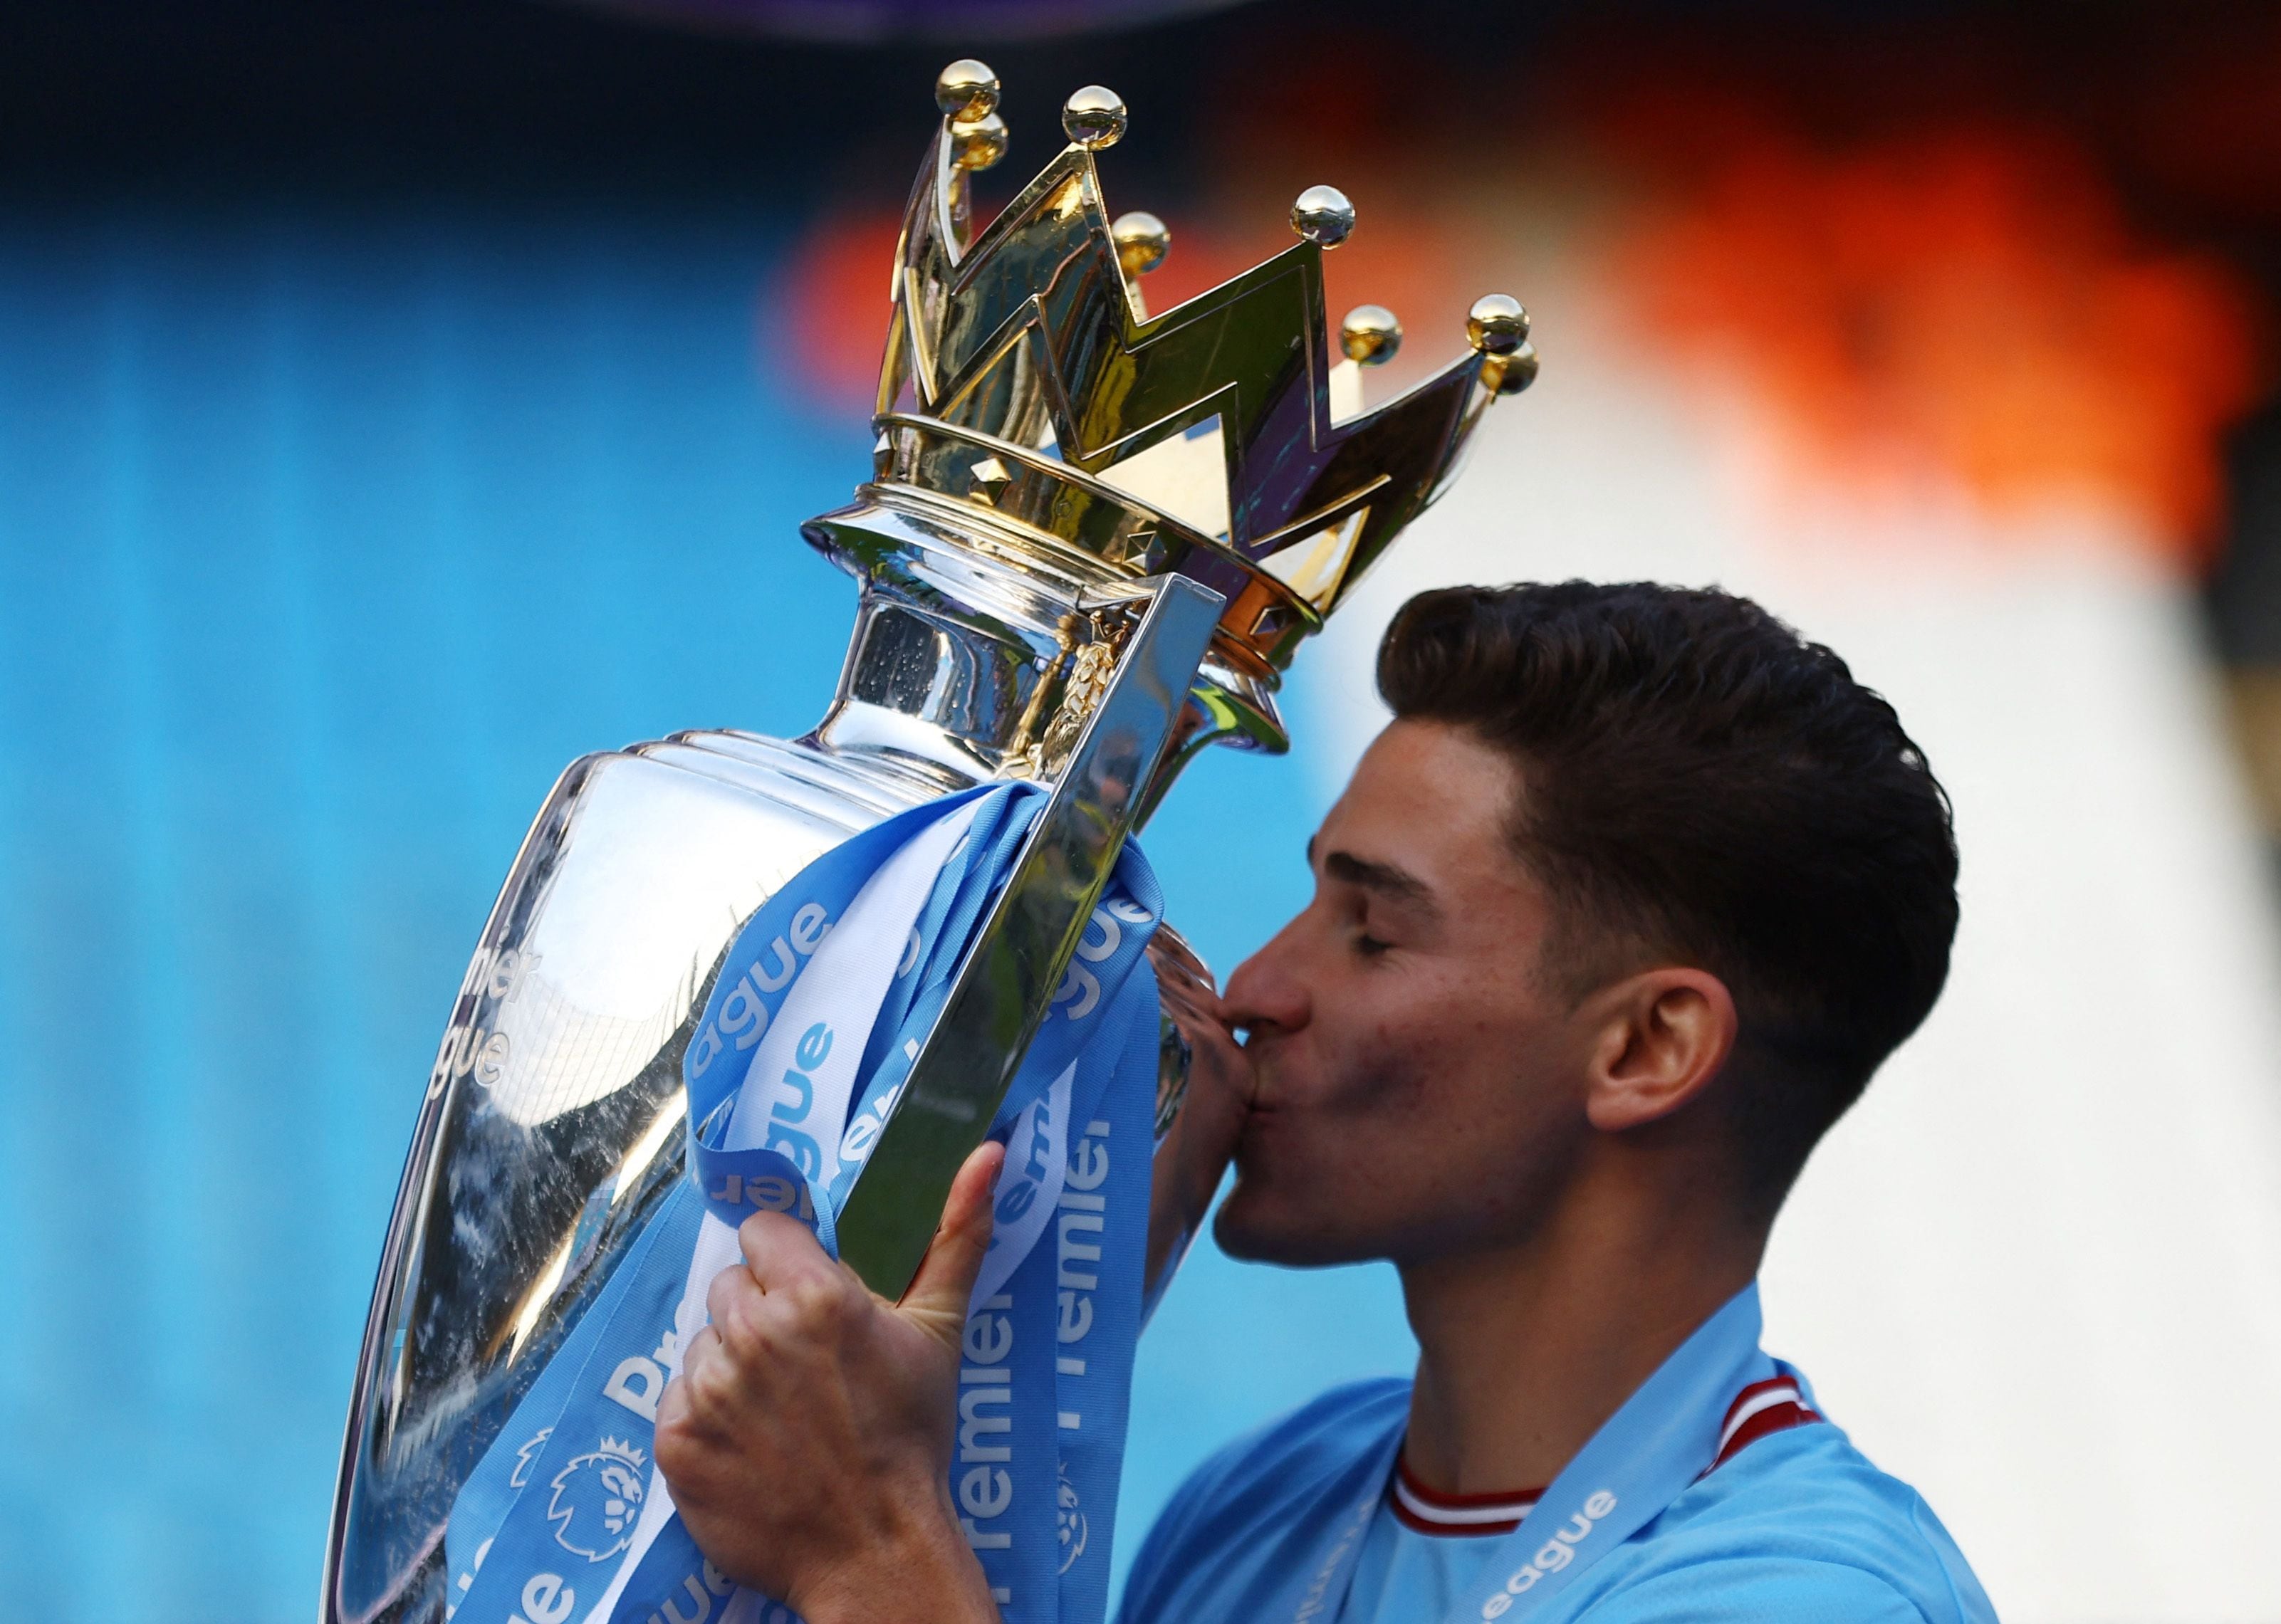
[1527, 1349]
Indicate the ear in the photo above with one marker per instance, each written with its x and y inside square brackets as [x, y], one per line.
[1664, 1035]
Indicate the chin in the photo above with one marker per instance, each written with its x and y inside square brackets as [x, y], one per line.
[1253, 1226]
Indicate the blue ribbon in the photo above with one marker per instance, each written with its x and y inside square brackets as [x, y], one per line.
[552, 1512]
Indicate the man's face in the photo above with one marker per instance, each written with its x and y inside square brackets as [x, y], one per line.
[1419, 1093]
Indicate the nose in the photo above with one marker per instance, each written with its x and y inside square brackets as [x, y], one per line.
[1268, 992]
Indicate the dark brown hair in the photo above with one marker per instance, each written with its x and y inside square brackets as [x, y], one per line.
[1700, 782]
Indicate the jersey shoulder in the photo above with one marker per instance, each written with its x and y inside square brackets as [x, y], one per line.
[1800, 1525]
[1230, 1531]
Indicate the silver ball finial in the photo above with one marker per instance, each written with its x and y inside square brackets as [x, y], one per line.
[1515, 372]
[967, 91]
[1497, 325]
[976, 143]
[1095, 117]
[1323, 215]
[1370, 334]
[1142, 240]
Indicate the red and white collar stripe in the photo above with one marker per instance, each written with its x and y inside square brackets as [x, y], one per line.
[1763, 1408]
[1770, 1406]
[1428, 1511]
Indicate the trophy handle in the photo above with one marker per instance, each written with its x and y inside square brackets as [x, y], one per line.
[969, 1057]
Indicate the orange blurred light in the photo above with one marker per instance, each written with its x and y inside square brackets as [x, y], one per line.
[835, 293]
[1965, 299]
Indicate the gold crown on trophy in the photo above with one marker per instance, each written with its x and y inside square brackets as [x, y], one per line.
[1023, 376]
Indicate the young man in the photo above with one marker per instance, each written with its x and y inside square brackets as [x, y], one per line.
[1613, 920]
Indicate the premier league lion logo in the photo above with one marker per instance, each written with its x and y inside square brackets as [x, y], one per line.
[526, 1457]
[597, 1498]
[1069, 1522]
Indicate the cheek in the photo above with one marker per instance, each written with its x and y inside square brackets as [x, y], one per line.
[1460, 1077]
[1398, 1062]
[1398, 1067]
[1376, 1060]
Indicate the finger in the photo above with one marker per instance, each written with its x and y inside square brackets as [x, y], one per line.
[938, 1294]
[704, 1348]
[779, 1251]
[1183, 1005]
[1200, 1022]
[1176, 964]
[673, 1404]
[721, 1297]
[702, 1372]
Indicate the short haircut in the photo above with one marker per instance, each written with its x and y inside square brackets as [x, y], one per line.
[1702, 784]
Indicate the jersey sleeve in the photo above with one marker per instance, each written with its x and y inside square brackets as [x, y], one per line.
[1757, 1591]
[1229, 1535]
[1142, 1600]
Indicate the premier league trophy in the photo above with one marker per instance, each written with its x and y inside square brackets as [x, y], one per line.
[1092, 541]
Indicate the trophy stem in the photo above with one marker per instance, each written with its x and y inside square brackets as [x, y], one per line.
[979, 649]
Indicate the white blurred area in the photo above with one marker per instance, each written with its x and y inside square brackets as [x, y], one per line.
[2035, 1272]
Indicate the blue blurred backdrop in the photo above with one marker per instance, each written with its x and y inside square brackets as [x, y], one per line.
[330, 532]
[400, 398]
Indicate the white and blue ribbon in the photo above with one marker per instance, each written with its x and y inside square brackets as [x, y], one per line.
[797, 1062]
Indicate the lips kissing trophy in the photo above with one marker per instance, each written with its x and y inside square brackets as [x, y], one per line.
[730, 973]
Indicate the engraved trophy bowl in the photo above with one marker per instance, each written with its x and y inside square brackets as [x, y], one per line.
[1051, 462]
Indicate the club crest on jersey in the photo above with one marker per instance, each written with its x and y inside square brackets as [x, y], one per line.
[596, 1499]
[1069, 1521]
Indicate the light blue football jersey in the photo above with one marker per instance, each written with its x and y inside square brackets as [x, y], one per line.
[1796, 1526]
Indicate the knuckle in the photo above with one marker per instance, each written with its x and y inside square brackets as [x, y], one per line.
[822, 1302]
[710, 1395]
[721, 1295]
[674, 1442]
[740, 1327]
[771, 1238]
[687, 1468]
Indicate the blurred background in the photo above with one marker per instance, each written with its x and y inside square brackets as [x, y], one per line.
[397, 399]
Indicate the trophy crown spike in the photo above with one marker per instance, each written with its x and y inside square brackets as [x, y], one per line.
[1028, 394]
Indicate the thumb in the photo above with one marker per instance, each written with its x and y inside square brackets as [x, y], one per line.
[937, 1297]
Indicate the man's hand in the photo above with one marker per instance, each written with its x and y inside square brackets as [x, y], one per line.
[808, 1437]
[1188, 1168]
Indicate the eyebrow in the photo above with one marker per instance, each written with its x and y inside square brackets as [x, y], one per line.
[1395, 884]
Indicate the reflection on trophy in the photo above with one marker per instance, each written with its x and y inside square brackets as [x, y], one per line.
[1093, 540]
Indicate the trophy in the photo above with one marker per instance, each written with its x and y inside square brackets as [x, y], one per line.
[1092, 541]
